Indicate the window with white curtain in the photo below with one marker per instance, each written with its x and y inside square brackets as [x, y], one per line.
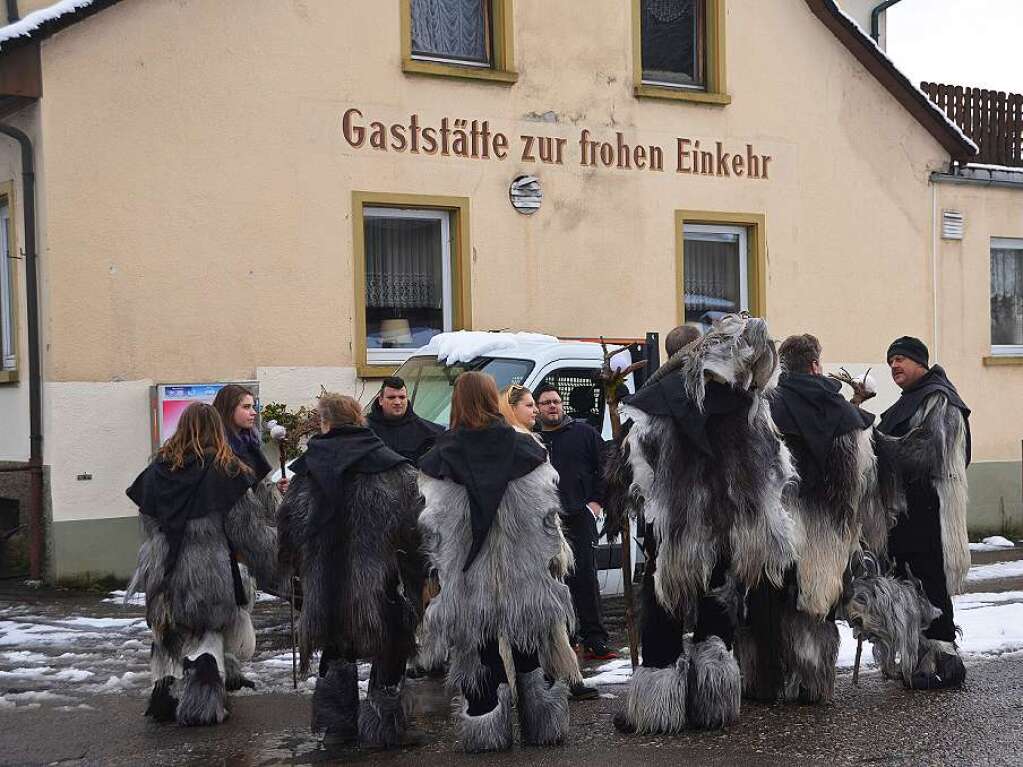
[452, 30]
[715, 261]
[408, 280]
[1006, 296]
[8, 358]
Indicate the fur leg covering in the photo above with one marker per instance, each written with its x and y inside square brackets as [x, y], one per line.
[939, 666]
[233, 678]
[336, 702]
[382, 718]
[203, 696]
[163, 704]
[656, 700]
[487, 732]
[809, 654]
[715, 686]
[543, 709]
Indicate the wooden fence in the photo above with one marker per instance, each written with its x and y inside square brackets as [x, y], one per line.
[993, 119]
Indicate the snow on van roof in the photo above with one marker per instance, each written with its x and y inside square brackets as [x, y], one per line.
[467, 345]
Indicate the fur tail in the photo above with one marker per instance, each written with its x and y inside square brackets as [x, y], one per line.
[656, 700]
[382, 718]
[336, 702]
[487, 732]
[715, 686]
[203, 697]
[543, 709]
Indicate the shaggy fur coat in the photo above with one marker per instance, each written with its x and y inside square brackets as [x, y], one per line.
[367, 557]
[515, 587]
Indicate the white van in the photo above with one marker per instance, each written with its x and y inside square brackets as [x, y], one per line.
[532, 360]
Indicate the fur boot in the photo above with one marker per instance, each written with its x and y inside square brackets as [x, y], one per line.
[656, 700]
[809, 654]
[203, 697]
[715, 686]
[382, 718]
[487, 732]
[543, 709]
[234, 680]
[162, 703]
[939, 666]
[336, 703]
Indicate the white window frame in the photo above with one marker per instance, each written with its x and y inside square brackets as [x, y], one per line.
[398, 356]
[1004, 243]
[9, 358]
[713, 229]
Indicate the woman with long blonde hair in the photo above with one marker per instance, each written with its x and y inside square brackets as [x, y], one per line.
[490, 528]
[518, 408]
[200, 521]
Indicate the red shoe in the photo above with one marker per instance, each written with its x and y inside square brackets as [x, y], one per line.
[600, 651]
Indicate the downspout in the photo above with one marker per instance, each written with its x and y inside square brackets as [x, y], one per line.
[35, 412]
[12, 11]
[875, 18]
[936, 356]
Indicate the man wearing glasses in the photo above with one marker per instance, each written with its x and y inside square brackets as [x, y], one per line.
[575, 450]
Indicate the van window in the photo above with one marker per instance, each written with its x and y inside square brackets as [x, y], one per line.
[583, 399]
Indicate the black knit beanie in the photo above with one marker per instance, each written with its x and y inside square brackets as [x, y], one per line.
[910, 347]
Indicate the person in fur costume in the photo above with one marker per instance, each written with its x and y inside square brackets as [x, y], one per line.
[704, 464]
[347, 527]
[788, 644]
[930, 541]
[201, 521]
[491, 530]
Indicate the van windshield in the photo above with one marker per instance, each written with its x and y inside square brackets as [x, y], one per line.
[430, 383]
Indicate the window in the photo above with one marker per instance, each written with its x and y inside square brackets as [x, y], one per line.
[1006, 296]
[459, 38]
[721, 267]
[410, 284]
[678, 49]
[8, 306]
[582, 398]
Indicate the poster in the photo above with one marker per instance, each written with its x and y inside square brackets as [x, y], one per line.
[170, 401]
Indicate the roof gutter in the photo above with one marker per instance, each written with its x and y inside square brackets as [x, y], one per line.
[875, 18]
[35, 412]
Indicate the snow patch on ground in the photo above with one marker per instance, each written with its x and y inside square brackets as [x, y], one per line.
[1013, 569]
[993, 543]
[117, 597]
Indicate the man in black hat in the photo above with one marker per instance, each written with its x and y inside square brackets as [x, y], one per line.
[930, 541]
[393, 420]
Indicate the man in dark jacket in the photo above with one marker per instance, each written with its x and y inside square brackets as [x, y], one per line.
[393, 420]
[575, 450]
[930, 541]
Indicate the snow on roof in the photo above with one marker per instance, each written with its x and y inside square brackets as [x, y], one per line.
[933, 107]
[467, 345]
[30, 23]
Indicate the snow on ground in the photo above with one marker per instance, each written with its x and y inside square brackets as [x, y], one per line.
[993, 543]
[1012, 569]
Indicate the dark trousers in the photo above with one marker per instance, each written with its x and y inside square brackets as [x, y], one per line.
[929, 567]
[389, 662]
[482, 699]
[660, 632]
[581, 533]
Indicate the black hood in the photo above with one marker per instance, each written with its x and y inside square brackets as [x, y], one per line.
[408, 435]
[483, 461]
[895, 420]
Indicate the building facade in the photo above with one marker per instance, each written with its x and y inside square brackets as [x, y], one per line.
[302, 192]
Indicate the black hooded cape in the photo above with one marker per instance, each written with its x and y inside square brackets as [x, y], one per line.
[895, 420]
[668, 397]
[175, 497]
[810, 408]
[483, 461]
[331, 458]
[408, 435]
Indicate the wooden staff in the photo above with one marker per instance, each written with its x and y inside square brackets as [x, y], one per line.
[610, 380]
[856, 663]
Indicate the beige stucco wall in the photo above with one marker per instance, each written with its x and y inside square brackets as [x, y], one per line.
[198, 200]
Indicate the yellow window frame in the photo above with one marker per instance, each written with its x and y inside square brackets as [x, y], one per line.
[715, 91]
[502, 64]
[7, 198]
[461, 284]
[756, 239]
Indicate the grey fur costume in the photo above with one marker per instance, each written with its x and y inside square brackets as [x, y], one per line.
[514, 590]
[200, 634]
[710, 508]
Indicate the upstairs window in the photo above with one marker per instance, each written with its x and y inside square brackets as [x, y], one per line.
[673, 34]
[8, 355]
[1006, 296]
[452, 30]
[716, 272]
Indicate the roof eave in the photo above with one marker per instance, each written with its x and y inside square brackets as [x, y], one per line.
[47, 28]
[894, 81]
